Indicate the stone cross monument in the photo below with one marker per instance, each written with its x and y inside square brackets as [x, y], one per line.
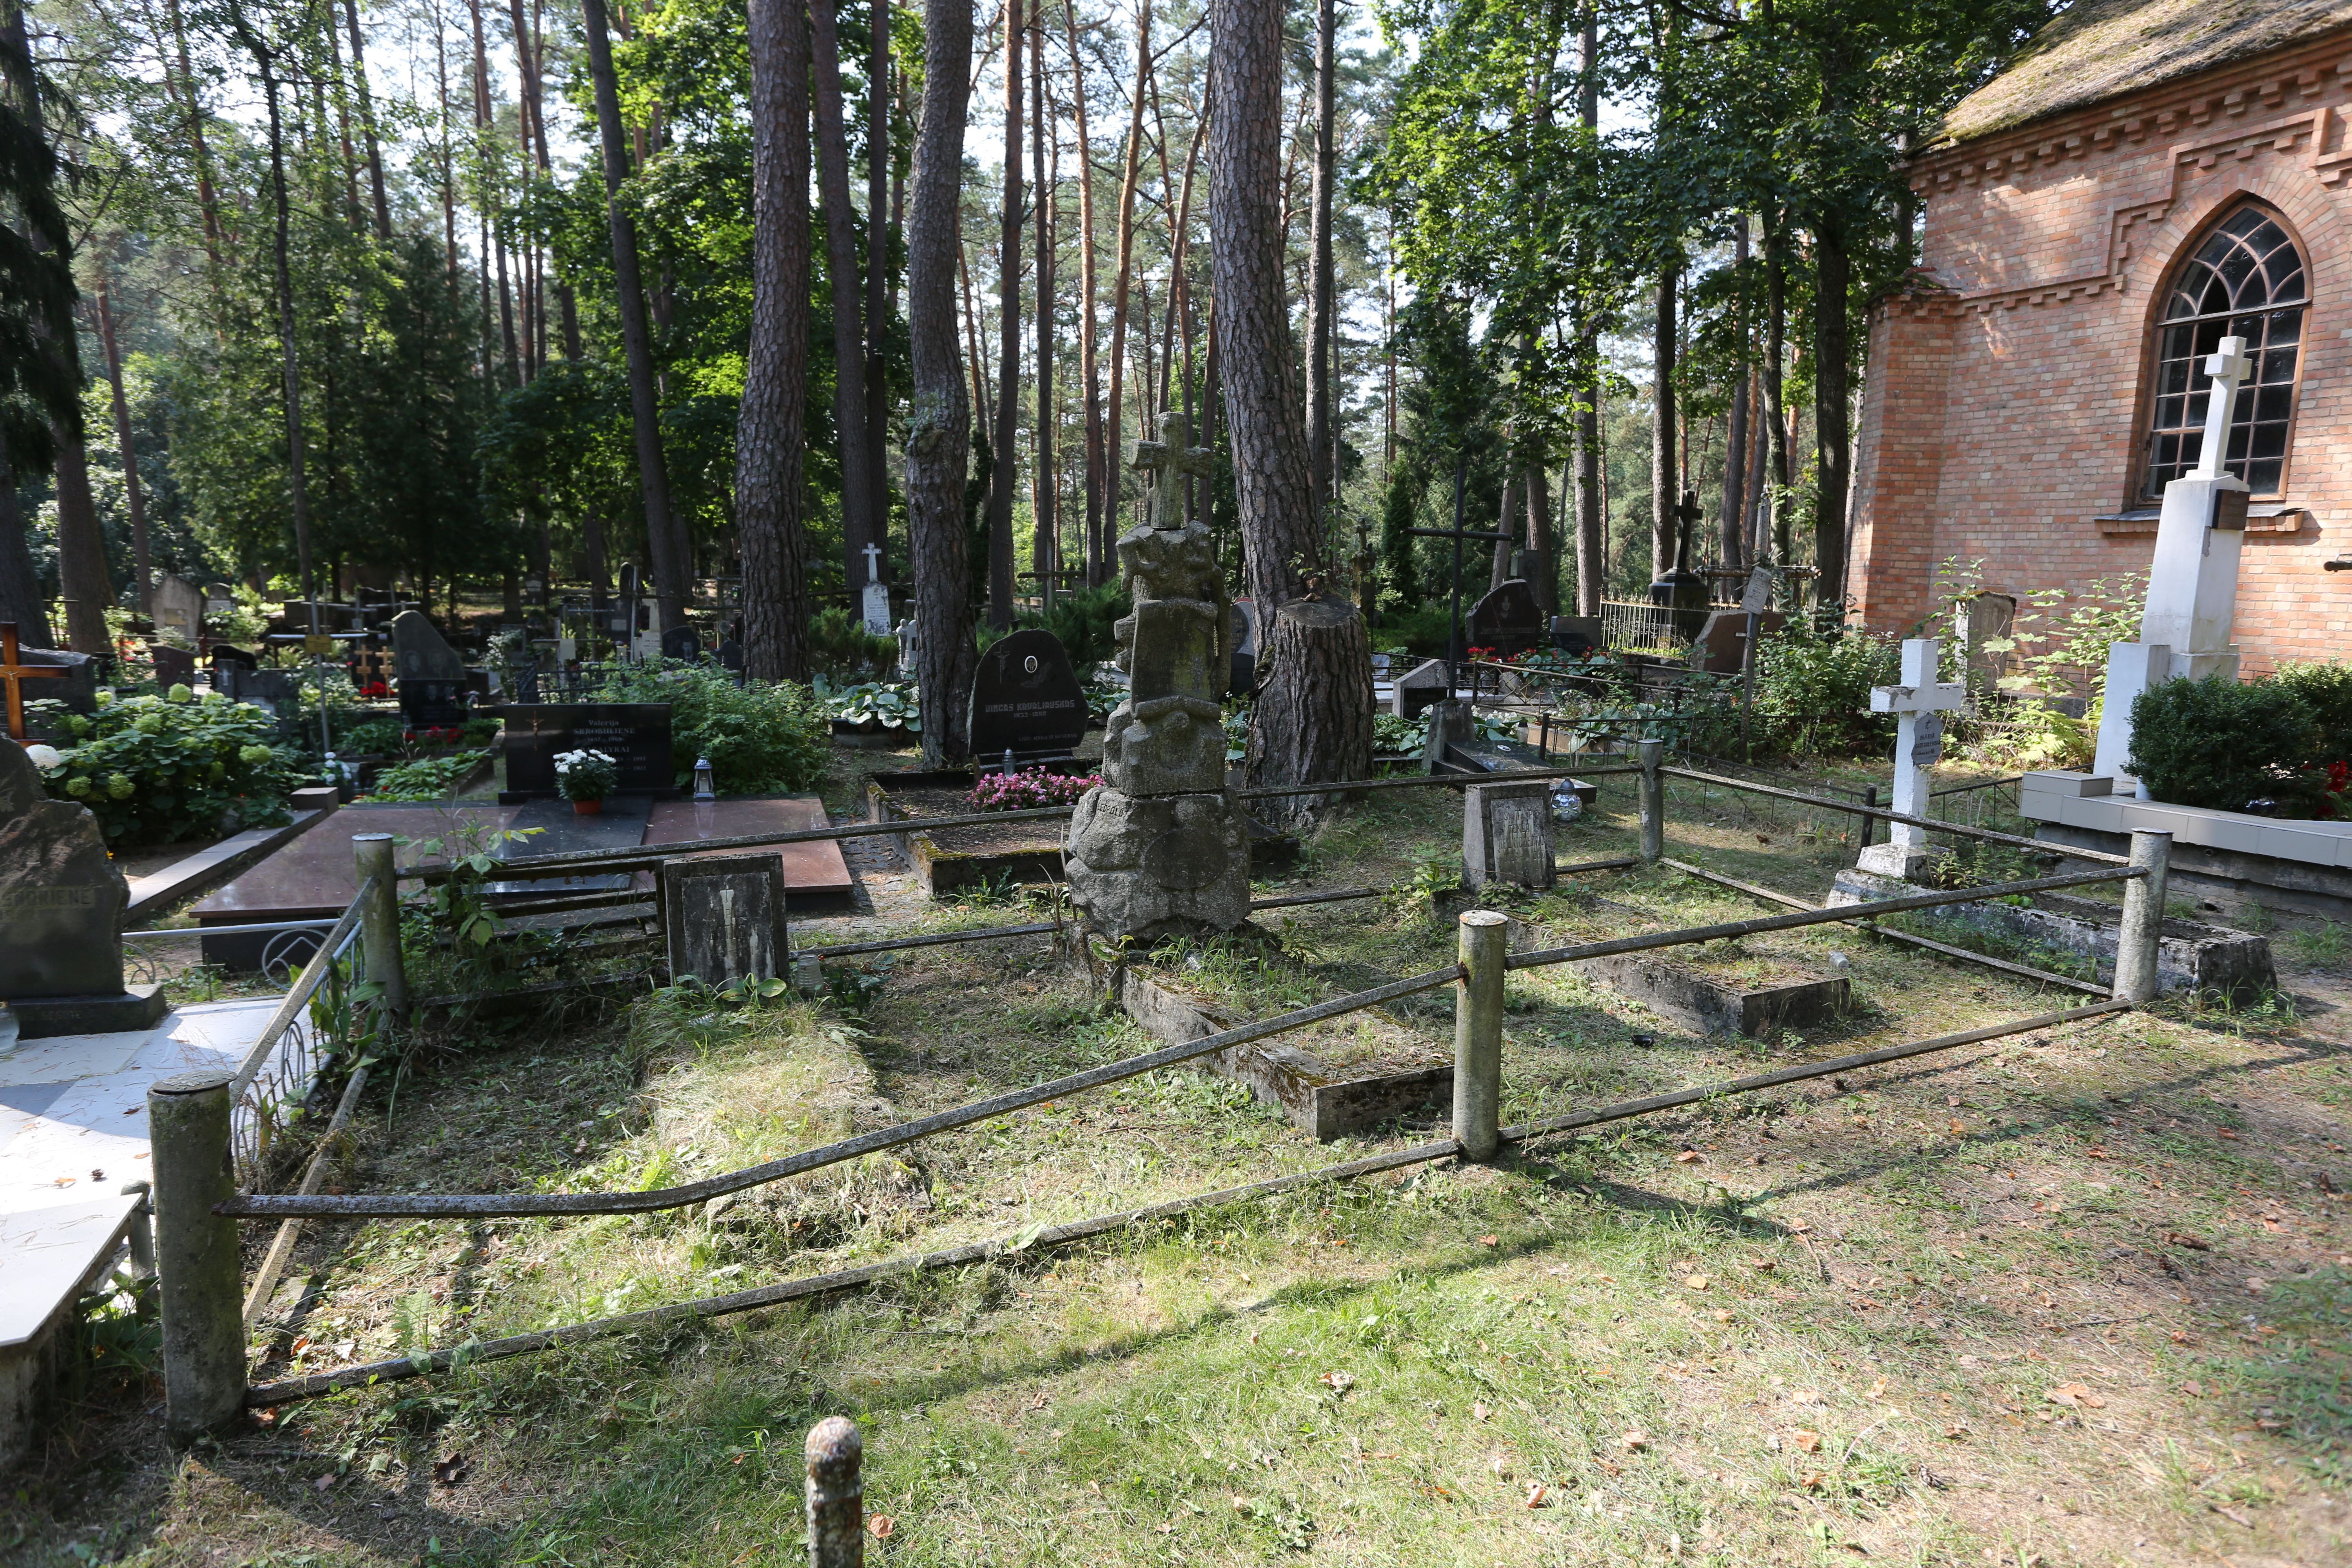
[877, 602]
[2192, 587]
[1161, 846]
[1922, 701]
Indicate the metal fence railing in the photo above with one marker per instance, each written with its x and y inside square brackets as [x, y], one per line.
[319, 1018]
[1629, 626]
[198, 1212]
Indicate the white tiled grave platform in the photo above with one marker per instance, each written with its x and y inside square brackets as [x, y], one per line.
[2084, 801]
[73, 1129]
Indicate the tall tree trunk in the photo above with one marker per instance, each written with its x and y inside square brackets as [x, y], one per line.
[1665, 475]
[1322, 302]
[1832, 446]
[1591, 536]
[1754, 516]
[938, 423]
[645, 410]
[192, 105]
[1098, 566]
[134, 494]
[1314, 714]
[877, 275]
[1545, 559]
[20, 587]
[860, 521]
[1776, 354]
[1003, 478]
[367, 122]
[1114, 448]
[770, 427]
[297, 493]
[1733, 517]
[1046, 545]
[971, 324]
[530, 55]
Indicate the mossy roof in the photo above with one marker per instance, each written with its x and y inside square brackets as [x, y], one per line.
[2100, 48]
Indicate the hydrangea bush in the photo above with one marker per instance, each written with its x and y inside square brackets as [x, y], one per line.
[161, 769]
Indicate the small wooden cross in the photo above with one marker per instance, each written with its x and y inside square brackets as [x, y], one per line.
[14, 675]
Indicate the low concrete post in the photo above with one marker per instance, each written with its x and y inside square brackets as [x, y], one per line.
[1652, 755]
[1478, 1032]
[2135, 952]
[142, 1232]
[196, 1260]
[836, 1495]
[380, 920]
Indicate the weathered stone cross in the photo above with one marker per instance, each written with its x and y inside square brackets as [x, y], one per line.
[873, 553]
[1168, 460]
[1922, 701]
[2228, 368]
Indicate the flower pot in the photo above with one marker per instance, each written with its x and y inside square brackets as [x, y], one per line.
[587, 807]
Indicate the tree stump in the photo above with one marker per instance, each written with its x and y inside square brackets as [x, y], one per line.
[1313, 717]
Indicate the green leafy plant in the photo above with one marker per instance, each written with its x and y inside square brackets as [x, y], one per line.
[1812, 692]
[2325, 692]
[840, 644]
[761, 737]
[2222, 745]
[893, 704]
[2064, 651]
[1087, 621]
[371, 737]
[157, 770]
[426, 778]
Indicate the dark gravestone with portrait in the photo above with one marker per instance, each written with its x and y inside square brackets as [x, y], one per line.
[1026, 700]
[61, 903]
[636, 735]
[1508, 620]
[430, 677]
[680, 642]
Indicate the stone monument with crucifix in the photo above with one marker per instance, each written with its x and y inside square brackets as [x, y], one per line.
[875, 600]
[1920, 704]
[2192, 586]
[1161, 846]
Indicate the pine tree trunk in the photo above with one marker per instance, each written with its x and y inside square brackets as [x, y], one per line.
[772, 425]
[1592, 553]
[1775, 351]
[1046, 546]
[636, 339]
[134, 494]
[1735, 437]
[1089, 373]
[1114, 445]
[1314, 714]
[1004, 480]
[20, 589]
[367, 117]
[878, 273]
[1665, 475]
[1321, 299]
[1546, 559]
[859, 524]
[938, 422]
[1832, 449]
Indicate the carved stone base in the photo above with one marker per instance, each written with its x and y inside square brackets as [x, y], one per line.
[1159, 865]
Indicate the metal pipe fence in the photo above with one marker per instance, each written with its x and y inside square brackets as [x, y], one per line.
[1477, 977]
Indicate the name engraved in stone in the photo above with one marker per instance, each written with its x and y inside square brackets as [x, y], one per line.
[25, 898]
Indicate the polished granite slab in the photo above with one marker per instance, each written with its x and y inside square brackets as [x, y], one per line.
[815, 875]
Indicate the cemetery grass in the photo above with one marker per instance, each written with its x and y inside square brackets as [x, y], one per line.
[2076, 1297]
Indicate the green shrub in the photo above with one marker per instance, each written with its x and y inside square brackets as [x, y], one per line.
[898, 704]
[372, 738]
[761, 738]
[2218, 744]
[1812, 692]
[2325, 692]
[839, 644]
[1086, 619]
[158, 771]
[428, 778]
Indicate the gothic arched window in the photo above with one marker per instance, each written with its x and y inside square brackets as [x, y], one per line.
[2246, 281]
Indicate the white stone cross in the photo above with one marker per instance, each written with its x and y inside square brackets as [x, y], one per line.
[2228, 365]
[1922, 701]
[873, 553]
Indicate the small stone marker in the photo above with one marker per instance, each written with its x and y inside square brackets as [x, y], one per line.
[1026, 700]
[1506, 835]
[725, 918]
[874, 598]
[430, 676]
[173, 666]
[1921, 701]
[1419, 688]
[1508, 620]
[177, 606]
[61, 903]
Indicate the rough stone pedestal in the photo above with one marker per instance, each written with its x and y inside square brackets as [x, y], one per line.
[1159, 865]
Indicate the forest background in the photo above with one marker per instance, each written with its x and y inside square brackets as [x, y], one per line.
[1598, 274]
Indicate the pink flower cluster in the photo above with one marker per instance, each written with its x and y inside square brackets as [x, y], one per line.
[1030, 787]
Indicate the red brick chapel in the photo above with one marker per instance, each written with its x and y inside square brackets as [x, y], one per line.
[2149, 176]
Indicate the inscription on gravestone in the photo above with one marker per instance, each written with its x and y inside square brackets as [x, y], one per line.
[636, 735]
[725, 918]
[1506, 835]
[1026, 700]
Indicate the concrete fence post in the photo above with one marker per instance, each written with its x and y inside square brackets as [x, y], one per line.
[380, 920]
[1652, 755]
[836, 1495]
[196, 1264]
[2135, 950]
[142, 1231]
[1478, 1032]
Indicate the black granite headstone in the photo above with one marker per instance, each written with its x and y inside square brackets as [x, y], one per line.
[276, 689]
[78, 691]
[173, 666]
[730, 654]
[1508, 620]
[680, 642]
[636, 735]
[432, 704]
[1026, 700]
